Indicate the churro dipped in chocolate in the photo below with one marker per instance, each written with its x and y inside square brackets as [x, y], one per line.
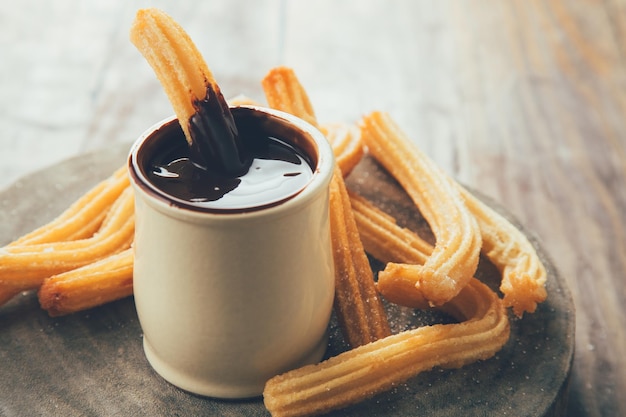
[202, 111]
[213, 171]
[454, 258]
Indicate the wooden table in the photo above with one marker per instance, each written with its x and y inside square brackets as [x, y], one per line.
[522, 100]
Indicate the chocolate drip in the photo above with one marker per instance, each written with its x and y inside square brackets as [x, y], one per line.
[215, 140]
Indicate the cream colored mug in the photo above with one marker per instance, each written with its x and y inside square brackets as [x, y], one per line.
[226, 300]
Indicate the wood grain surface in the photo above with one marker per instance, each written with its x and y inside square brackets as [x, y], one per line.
[521, 100]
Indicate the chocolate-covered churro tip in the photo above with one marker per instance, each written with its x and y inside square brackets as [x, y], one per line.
[194, 94]
[215, 143]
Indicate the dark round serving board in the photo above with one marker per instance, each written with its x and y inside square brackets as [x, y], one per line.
[92, 363]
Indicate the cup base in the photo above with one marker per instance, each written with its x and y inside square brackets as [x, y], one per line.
[212, 387]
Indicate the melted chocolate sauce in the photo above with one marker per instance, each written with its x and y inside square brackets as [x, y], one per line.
[276, 171]
[278, 166]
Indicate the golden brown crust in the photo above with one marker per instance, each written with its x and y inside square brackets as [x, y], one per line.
[359, 309]
[176, 61]
[357, 305]
[363, 372]
[24, 267]
[454, 258]
[284, 92]
[383, 238]
[347, 145]
[83, 217]
[523, 274]
[386, 241]
[100, 282]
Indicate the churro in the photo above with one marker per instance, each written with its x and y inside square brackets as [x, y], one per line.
[83, 218]
[359, 310]
[523, 273]
[100, 282]
[386, 241]
[454, 258]
[383, 238]
[284, 92]
[347, 145]
[24, 267]
[177, 63]
[367, 370]
[202, 111]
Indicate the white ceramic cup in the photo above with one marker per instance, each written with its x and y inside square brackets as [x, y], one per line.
[228, 300]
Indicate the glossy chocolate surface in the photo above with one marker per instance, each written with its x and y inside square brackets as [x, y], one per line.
[281, 161]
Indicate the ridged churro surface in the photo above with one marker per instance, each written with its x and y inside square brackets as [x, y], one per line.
[454, 258]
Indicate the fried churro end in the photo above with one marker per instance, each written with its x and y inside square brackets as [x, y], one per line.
[284, 92]
[522, 292]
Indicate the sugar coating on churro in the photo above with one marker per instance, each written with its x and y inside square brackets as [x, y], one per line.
[454, 258]
[358, 307]
[362, 372]
[523, 274]
[386, 241]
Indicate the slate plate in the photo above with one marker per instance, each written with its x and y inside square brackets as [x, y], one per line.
[92, 363]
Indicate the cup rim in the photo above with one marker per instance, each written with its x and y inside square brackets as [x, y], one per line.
[322, 174]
